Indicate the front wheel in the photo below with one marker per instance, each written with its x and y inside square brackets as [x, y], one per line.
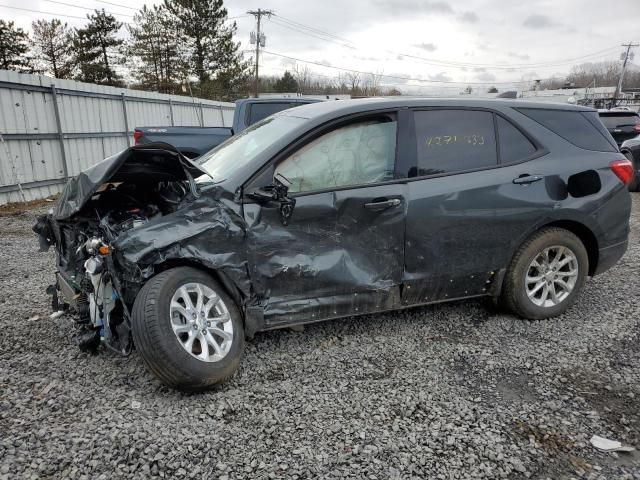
[546, 274]
[187, 329]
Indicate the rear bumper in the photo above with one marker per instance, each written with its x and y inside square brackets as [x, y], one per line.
[609, 256]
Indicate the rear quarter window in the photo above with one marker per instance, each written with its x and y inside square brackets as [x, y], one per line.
[582, 129]
[514, 146]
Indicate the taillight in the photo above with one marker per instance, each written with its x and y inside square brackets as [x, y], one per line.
[623, 170]
[137, 135]
[636, 127]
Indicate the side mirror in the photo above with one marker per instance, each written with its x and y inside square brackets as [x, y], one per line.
[281, 189]
[263, 195]
[281, 180]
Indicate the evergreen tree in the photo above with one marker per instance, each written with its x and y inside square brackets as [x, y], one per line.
[98, 49]
[52, 48]
[213, 55]
[14, 46]
[286, 84]
[157, 47]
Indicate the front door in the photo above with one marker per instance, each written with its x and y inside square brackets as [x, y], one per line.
[342, 251]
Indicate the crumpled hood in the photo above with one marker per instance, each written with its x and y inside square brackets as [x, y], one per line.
[150, 159]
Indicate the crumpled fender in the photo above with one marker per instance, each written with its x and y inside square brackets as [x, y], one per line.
[210, 231]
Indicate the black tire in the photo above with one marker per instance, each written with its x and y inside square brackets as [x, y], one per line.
[634, 186]
[159, 347]
[514, 293]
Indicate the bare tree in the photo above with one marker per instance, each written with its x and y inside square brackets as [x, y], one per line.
[353, 82]
[303, 77]
[371, 86]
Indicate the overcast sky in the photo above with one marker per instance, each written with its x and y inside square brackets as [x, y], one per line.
[487, 42]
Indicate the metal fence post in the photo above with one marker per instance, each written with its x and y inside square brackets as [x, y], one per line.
[126, 119]
[201, 115]
[171, 111]
[221, 115]
[54, 94]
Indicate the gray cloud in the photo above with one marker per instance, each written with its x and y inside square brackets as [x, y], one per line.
[538, 22]
[429, 47]
[401, 78]
[519, 56]
[468, 17]
[486, 77]
[413, 7]
[440, 7]
[440, 77]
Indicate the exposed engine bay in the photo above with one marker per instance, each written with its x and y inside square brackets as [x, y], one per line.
[138, 186]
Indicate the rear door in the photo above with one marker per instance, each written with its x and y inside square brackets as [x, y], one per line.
[342, 251]
[465, 212]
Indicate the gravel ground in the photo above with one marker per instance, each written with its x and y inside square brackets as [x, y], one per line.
[447, 392]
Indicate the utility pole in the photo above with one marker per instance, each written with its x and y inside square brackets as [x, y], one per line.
[627, 56]
[259, 39]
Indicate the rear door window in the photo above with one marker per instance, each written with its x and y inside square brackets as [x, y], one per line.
[582, 129]
[454, 141]
[514, 146]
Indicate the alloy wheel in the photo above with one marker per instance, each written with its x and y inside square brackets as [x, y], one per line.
[201, 322]
[551, 276]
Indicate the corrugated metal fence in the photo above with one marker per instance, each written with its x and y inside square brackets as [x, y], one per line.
[52, 129]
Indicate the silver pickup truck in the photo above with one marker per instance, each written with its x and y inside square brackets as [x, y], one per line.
[194, 141]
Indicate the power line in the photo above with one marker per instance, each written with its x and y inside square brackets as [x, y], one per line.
[117, 5]
[444, 63]
[317, 30]
[42, 12]
[86, 8]
[397, 77]
[295, 29]
[422, 61]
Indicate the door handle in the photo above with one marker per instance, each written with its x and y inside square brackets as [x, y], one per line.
[382, 204]
[527, 179]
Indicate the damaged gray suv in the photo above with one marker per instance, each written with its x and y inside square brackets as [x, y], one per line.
[331, 210]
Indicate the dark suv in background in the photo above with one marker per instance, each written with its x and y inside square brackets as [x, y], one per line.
[337, 209]
[624, 127]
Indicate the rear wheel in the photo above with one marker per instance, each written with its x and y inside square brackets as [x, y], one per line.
[546, 274]
[188, 330]
[634, 186]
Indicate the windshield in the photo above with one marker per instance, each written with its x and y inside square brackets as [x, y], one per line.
[241, 149]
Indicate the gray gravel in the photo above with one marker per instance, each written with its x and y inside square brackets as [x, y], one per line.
[447, 392]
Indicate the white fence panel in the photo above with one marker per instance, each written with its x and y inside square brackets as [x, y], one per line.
[53, 129]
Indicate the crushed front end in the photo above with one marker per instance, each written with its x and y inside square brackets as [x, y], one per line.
[119, 195]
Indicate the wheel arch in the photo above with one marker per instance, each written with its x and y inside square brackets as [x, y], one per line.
[222, 278]
[584, 233]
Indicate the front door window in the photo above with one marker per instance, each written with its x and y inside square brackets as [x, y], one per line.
[355, 154]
